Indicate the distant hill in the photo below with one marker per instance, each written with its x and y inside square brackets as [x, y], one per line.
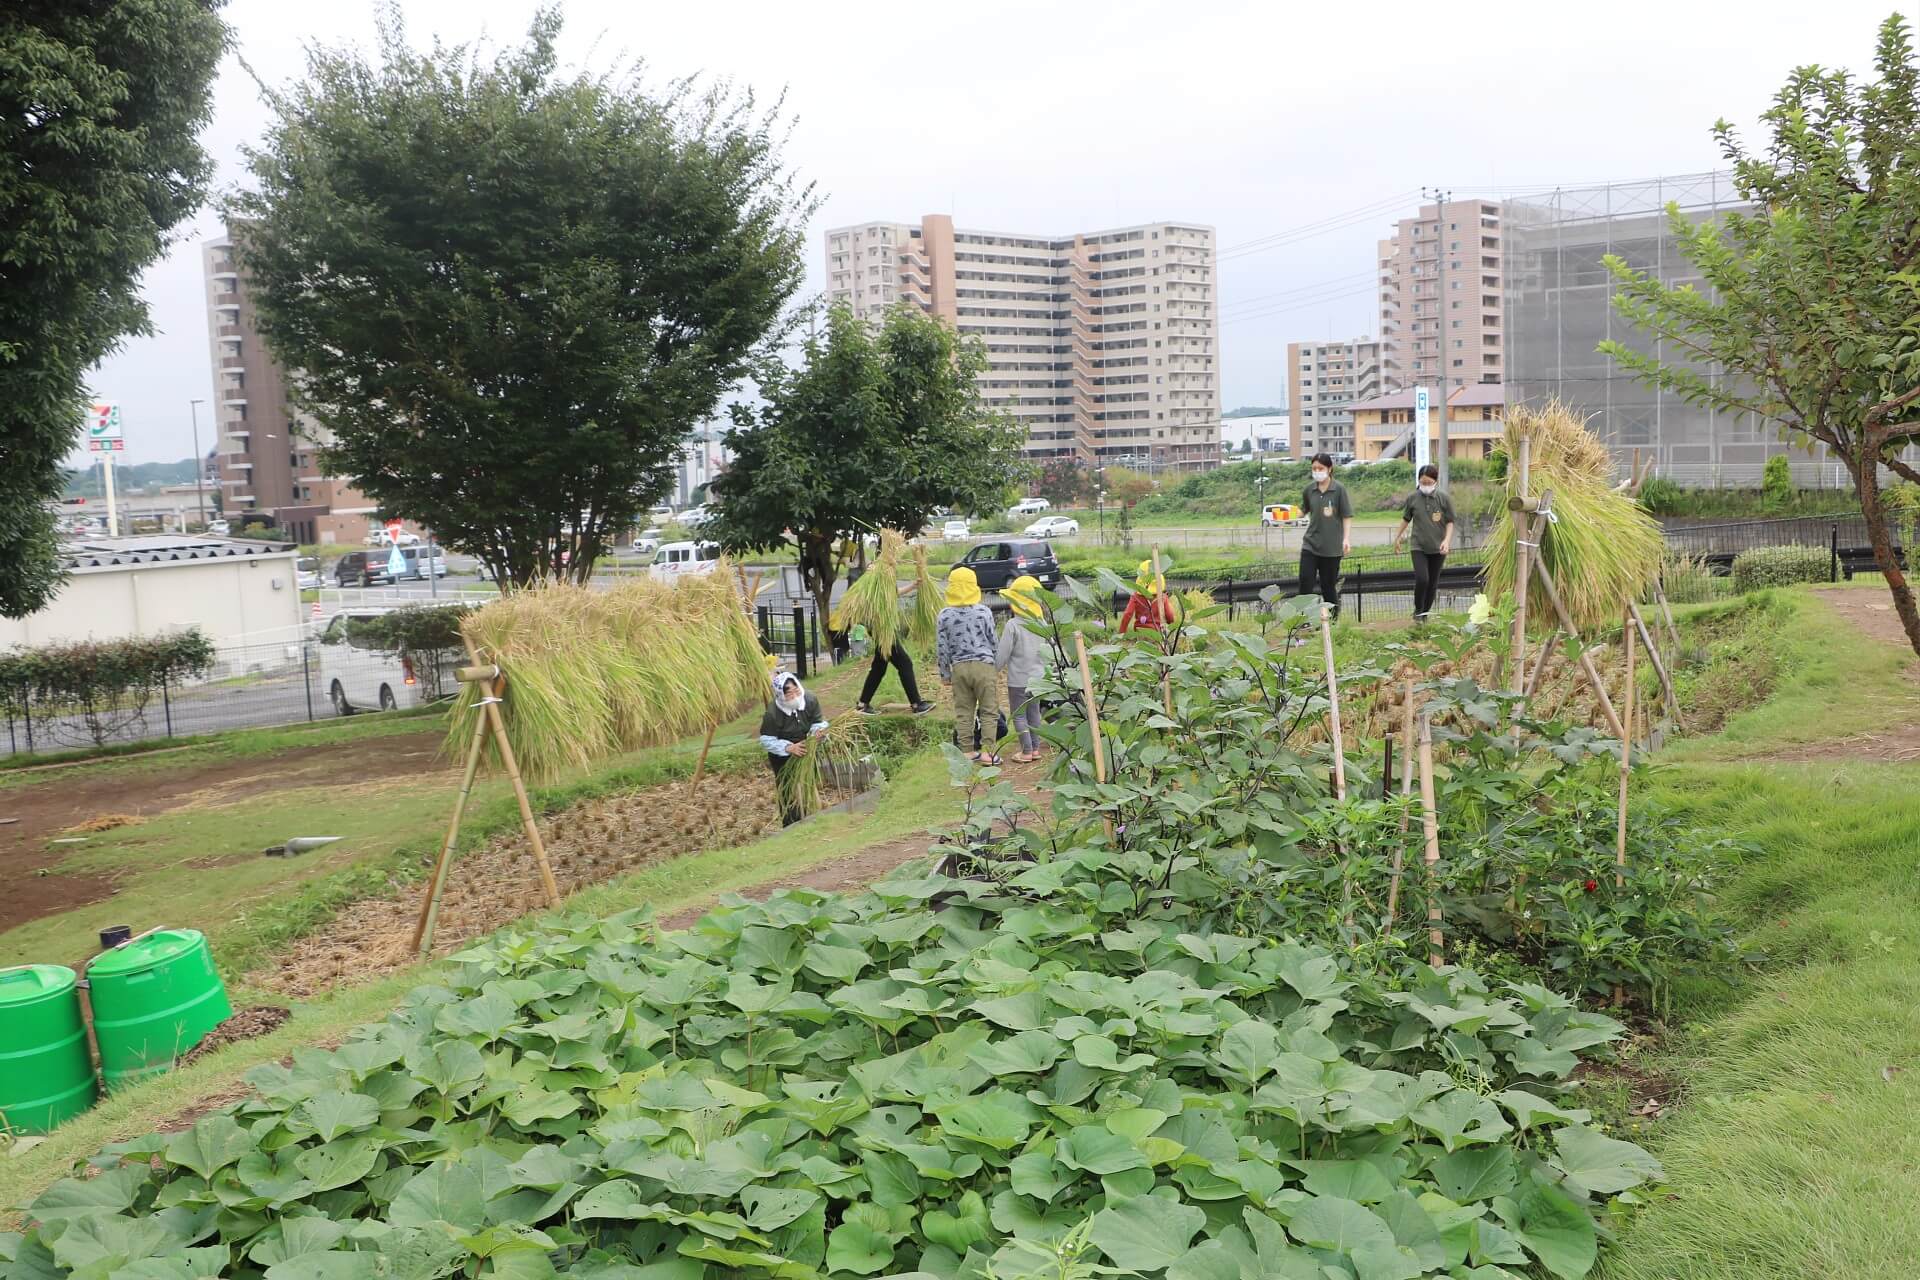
[140, 475]
[1255, 411]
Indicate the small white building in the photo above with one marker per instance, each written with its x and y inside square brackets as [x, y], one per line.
[237, 592]
[1244, 437]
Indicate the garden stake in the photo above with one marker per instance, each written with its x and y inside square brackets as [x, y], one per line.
[1406, 789]
[1522, 465]
[1333, 705]
[519, 787]
[1166, 681]
[1659, 667]
[1430, 827]
[700, 768]
[1093, 709]
[1626, 764]
[1540, 663]
[430, 909]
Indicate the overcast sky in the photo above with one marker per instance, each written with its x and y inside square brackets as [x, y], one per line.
[1256, 118]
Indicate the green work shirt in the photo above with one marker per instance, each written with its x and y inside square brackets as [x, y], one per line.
[1325, 511]
[1428, 518]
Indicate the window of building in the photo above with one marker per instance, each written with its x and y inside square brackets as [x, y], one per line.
[1458, 363]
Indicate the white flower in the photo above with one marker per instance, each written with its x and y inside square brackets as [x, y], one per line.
[1481, 610]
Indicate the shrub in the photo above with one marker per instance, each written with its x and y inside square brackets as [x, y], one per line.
[92, 690]
[1662, 497]
[1780, 566]
[426, 637]
[1776, 482]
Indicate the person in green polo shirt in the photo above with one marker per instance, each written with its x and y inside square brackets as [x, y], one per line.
[1429, 514]
[1329, 522]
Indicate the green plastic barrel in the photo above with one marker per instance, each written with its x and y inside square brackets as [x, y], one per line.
[45, 1074]
[154, 998]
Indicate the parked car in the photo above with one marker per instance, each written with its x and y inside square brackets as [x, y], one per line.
[1053, 527]
[1275, 514]
[955, 531]
[416, 571]
[218, 528]
[1029, 507]
[306, 573]
[677, 559]
[379, 537]
[693, 517]
[359, 677]
[663, 512]
[998, 563]
[362, 568]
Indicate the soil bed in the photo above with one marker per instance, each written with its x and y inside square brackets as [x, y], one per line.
[249, 1023]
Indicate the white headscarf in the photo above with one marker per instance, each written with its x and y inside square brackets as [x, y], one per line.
[780, 699]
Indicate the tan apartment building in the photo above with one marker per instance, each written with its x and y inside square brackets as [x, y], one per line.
[1383, 425]
[1440, 298]
[264, 448]
[1323, 381]
[1103, 344]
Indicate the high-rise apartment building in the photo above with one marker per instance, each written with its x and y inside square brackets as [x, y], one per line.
[263, 446]
[1104, 345]
[1323, 381]
[1440, 298]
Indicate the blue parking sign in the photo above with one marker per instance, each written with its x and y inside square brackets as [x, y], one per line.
[396, 563]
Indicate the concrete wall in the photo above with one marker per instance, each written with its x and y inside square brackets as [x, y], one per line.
[231, 601]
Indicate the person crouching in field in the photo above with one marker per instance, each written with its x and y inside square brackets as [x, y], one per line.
[1148, 608]
[792, 719]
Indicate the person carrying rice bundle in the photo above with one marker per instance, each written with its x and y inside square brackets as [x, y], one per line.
[1023, 656]
[965, 648]
[872, 602]
[1148, 608]
[792, 719]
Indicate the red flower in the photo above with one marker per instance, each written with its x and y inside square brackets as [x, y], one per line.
[1592, 885]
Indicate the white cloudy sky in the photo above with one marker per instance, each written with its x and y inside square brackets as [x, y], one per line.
[1258, 117]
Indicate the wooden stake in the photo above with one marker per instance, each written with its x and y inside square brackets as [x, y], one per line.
[1333, 705]
[1430, 828]
[1406, 789]
[1586, 659]
[1626, 765]
[1093, 708]
[1521, 556]
[430, 908]
[1653, 656]
[700, 769]
[1540, 663]
[519, 789]
[1160, 602]
[1666, 613]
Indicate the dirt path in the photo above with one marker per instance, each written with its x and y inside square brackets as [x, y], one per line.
[1870, 610]
[41, 811]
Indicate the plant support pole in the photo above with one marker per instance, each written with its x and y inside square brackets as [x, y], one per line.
[1540, 663]
[519, 786]
[1659, 667]
[1430, 828]
[1164, 606]
[1626, 766]
[1333, 706]
[700, 768]
[1406, 789]
[1523, 467]
[430, 909]
[1093, 709]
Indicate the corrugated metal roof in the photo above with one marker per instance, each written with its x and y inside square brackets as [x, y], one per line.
[121, 553]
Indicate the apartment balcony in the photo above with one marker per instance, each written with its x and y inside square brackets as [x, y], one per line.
[234, 402]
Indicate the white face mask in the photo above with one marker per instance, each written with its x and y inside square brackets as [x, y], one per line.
[1319, 476]
[1426, 487]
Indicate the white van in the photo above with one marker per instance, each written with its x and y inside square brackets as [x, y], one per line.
[677, 559]
[1029, 507]
[357, 677]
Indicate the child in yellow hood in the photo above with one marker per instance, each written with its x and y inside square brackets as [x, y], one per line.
[1023, 656]
[964, 648]
[1148, 609]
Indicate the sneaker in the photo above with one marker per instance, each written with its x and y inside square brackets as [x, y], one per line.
[863, 708]
[921, 708]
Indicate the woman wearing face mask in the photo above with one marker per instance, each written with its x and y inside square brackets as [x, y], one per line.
[1328, 536]
[792, 719]
[1429, 513]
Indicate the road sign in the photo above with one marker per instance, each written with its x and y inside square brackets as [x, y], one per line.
[1422, 449]
[394, 529]
[396, 563]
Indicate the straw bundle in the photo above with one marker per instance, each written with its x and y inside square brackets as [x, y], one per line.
[1603, 550]
[873, 601]
[802, 782]
[923, 615]
[592, 674]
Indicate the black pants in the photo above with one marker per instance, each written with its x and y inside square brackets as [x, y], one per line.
[1426, 580]
[878, 672]
[789, 807]
[1321, 575]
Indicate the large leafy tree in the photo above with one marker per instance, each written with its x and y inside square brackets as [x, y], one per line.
[875, 429]
[509, 292]
[1812, 308]
[100, 104]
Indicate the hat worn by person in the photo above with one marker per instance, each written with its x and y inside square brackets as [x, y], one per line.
[963, 587]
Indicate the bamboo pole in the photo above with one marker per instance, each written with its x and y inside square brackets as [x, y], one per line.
[1161, 604]
[1524, 465]
[1540, 663]
[1653, 656]
[700, 768]
[1333, 705]
[519, 790]
[1406, 789]
[1586, 659]
[1626, 766]
[1666, 612]
[1093, 708]
[430, 908]
[1430, 828]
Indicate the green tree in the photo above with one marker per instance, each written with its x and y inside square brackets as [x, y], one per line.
[1812, 301]
[99, 108]
[1776, 482]
[510, 292]
[1127, 486]
[875, 429]
[1061, 481]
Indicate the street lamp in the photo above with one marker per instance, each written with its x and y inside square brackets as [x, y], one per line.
[199, 463]
[1260, 488]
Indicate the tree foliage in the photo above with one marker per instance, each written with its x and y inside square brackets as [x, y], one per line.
[1813, 298]
[512, 291]
[99, 107]
[876, 429]
[1062, 481]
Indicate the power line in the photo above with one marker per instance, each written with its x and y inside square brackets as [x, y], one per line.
[1346, 280]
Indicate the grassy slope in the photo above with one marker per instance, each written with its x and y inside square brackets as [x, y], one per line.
[1795, 1153]
[919, 798]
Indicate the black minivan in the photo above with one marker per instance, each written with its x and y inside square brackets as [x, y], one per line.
[363, 568]
[998, 563]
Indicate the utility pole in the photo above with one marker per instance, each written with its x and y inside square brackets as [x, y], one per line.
[199, 463]
[1440, 199]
